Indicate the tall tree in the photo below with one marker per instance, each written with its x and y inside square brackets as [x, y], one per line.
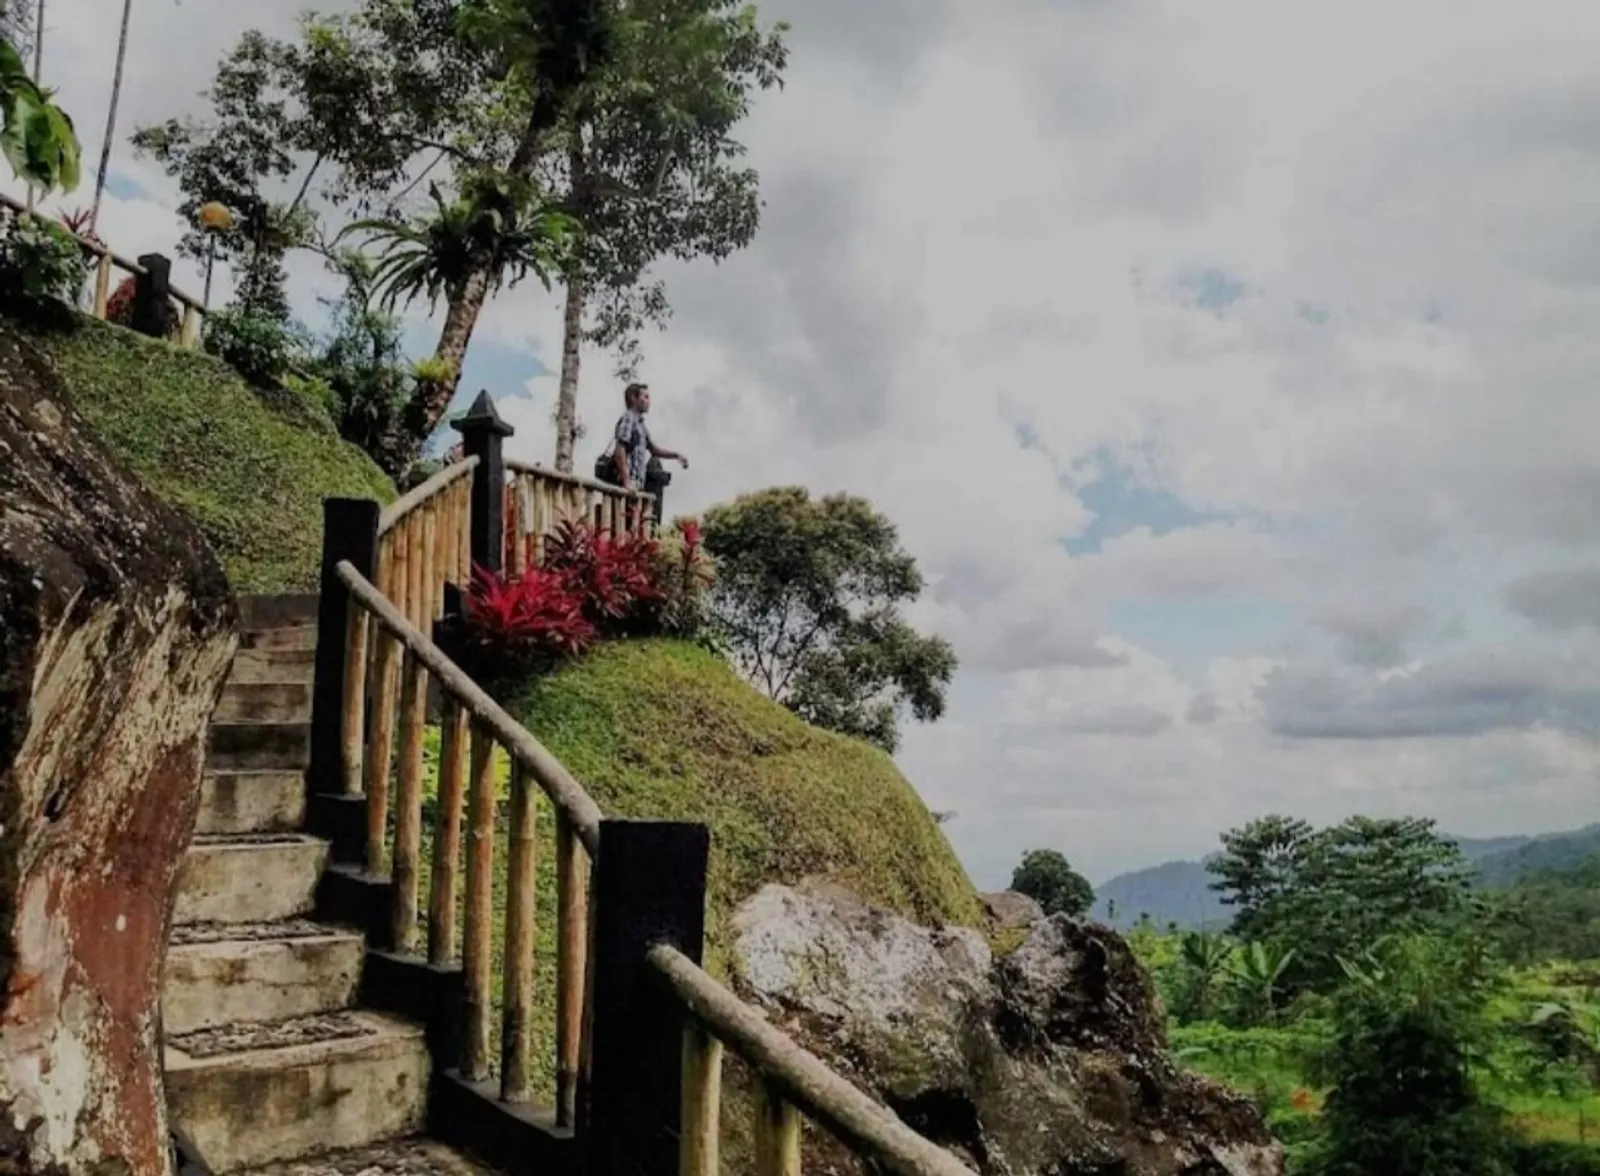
[111, 116]
[1046, 876]
[1259, 863]
[808, 594]
[648, 163]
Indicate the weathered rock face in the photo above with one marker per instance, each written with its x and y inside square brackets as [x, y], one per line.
[116, 630]
[1049, 1061]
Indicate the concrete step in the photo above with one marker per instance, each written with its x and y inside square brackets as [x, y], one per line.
[287, 637]
[254, 747]
[264, 702]
[249, 878]
[272, 801]
[273, 665]
[259, 1094]
[277, 611]
[225, 974]
[413, 1156]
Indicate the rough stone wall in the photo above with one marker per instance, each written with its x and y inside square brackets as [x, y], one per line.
[117, 628]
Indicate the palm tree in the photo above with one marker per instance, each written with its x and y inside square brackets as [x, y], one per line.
[111, 116]
[496, 232]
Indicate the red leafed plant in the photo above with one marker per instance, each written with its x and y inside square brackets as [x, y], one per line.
[517, 622]
[119, 306]
[613, 576]
[77, 223]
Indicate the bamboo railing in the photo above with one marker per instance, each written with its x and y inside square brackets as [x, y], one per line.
[466, 811]
[791, 1081]
[540, 500]
[106, 262]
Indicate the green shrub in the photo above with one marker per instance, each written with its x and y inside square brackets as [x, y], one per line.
[42, 267]
[1550, 1158]
[256, 346]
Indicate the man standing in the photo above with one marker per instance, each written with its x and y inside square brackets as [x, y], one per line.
[627, 457]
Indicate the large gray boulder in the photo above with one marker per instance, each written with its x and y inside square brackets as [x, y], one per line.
[117, 628]
[1050, 1061]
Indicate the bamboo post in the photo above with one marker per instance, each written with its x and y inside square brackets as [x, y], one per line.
[700, 1129]
[190, 334]
[408, 805]
[572, 944]
[517, 1034]
[464, 557]
[448, 545]
[379, 750]
[426, 609]
[417, 569]
[777, 1133]
[541, 516]
[514, 525]
[476, 944]
[352, 724]
[447, 837]
[102, 284]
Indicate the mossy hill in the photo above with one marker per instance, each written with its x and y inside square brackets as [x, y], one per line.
[250, 467]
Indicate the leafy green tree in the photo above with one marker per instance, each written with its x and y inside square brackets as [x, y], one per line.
[1335, 891]
[647, 160]
[36, 136]
[1410, 1031]
[1554, 914]
[1259, 863]
[1046, 876]
[807, 600]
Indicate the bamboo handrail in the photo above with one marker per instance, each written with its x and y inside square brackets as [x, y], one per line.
[801, 1078]
[99, 250]
[539, 471]
[419, 494]
[558, 784]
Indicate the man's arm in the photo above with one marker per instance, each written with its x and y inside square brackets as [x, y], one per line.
[621, 458]
[668, 454]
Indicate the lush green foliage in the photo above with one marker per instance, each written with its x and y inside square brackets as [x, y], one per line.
[42, 266]
[257, 346]
[1464, 1041]
[1046, 876]
[1333, 892]
[807, 598]
[36, 136]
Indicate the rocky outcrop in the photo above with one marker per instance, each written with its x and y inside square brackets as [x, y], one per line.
[1049, 1061]
[116, 631]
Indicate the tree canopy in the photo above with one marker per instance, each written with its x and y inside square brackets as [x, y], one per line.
[1336, 891]
[1046, 876]
[808, 598]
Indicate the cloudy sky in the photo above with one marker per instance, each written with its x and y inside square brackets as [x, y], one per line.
[1229, 368]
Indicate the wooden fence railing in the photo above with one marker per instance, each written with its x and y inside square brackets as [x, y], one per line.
[578, 826]
[639, 1028]
[791, 1080]
[540, 500]
[107, 262]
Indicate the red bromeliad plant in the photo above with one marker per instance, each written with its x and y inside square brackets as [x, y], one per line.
[613, 576]
[518, 623]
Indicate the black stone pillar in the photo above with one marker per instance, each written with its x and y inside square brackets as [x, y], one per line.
[482, 435]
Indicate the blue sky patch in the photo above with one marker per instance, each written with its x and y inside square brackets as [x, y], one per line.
[1189, 633]
[1212, 289]
[1120, 504]
[124, 188]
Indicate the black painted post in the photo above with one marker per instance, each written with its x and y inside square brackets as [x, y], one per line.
[649, 887]
[349, 532]
[152, 293]
[482, 435]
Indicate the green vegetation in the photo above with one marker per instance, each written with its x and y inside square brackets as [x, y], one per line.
[251, 473]
[807, 601]
[1387, 1017]
[1045, 876]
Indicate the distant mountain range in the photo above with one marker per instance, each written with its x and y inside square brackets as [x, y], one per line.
[1180, 892]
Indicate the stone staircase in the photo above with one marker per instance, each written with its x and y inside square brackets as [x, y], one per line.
[269, 1062]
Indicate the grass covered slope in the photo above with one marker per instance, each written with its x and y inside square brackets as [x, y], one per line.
[666, 730]
[252, 476]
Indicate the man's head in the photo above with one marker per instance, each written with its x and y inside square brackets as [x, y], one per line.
[637, 397]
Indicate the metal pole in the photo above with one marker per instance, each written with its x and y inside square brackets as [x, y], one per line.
[211, 259]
